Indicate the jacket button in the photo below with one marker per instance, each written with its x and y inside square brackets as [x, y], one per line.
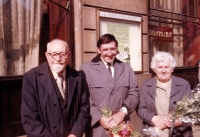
[54, 126]
[55, 105]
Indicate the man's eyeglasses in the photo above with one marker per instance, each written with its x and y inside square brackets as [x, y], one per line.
[63, 55]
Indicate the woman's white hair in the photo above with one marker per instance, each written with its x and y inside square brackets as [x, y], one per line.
[162, 56]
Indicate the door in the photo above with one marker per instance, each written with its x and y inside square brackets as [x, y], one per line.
[61, 23]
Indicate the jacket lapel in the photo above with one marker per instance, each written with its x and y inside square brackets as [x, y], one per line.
[71, 85]
[47, 83]
[118, 70]
[104, 71]
[175, 87]
[98, 65]
[152, 87]
[174, 90]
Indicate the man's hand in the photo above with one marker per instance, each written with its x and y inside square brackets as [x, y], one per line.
[116, 119]
[104, 121]
[71, 135]
[161, 122]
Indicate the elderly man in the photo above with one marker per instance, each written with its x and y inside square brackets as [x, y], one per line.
[159, 94]
[110, 82]
[54, 102]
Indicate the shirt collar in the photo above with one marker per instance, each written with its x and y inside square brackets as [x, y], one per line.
[164, 86]
[106, 63]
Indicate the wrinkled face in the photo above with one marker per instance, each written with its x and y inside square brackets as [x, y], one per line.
[108, 51]
[163, 71]
[58, 63]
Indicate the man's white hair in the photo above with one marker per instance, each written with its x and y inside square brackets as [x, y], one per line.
[162, 56]
[56, 40]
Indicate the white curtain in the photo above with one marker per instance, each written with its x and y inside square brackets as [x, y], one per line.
[20, 23]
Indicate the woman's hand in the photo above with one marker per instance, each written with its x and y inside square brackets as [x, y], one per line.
[161, 122]
[177, 123]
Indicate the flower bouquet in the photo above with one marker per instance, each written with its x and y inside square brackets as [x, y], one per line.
[188, 109]
[121, 130]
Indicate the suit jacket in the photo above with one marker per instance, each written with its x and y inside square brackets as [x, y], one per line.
[41, 110]
[147, 109]
[114, 92]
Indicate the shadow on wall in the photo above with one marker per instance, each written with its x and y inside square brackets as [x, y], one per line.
[136, 122]
[135, 119]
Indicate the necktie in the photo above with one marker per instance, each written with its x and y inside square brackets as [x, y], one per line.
[60, 85]
[109, 69]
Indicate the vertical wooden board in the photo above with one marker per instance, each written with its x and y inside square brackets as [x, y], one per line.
[144, 24]
[145, 44]
[88, 57]
[58, 22]
[146, 63]
[89, 16]
[61, 22]
[89, 41]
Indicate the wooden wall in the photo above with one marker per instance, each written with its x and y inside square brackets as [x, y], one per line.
[10, 103]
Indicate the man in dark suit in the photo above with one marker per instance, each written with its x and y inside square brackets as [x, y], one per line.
[54, 102]
[112, 82]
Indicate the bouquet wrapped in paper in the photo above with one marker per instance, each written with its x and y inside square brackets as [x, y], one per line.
[121, 130]
[152, 132]
[188, 109]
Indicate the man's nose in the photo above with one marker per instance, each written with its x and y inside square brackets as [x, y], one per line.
[58, 58]
[109, 52]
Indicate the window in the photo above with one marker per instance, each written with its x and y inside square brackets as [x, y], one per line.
[20, 23]
[182, 17]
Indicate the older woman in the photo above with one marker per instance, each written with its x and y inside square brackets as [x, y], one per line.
[159, 94]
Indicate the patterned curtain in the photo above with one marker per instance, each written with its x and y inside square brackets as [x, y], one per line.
[20, 23]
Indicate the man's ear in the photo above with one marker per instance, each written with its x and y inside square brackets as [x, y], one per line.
[46, 54]
[69, 53]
